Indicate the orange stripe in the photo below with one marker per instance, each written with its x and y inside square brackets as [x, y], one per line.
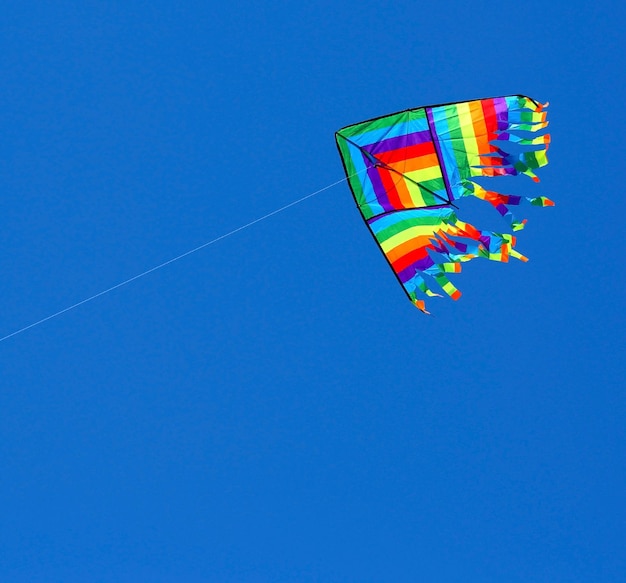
[491, 121]
[411, 164]
[403, 191]
[480, 128]
[422, 241]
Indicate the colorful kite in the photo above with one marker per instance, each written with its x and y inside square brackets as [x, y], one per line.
[406, 170]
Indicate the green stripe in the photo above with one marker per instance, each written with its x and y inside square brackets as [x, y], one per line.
[404, 224]
[377, 124]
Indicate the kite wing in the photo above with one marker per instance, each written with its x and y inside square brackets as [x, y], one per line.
[407, 169]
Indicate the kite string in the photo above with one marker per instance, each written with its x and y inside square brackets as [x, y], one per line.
[177, 258]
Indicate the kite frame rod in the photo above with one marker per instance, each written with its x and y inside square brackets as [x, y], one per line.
[382, 164]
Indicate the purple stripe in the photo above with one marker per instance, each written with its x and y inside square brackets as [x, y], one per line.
[399, 142]
[502, 112]
[409, 272]
[377, 186]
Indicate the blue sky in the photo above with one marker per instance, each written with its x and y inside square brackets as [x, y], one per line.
[272, 408]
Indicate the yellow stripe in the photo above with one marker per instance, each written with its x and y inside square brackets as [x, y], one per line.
[431, 173]
[407, 235]
[415, 193]
[467, 131]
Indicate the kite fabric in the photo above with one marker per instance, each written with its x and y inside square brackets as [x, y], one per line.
[406, 170]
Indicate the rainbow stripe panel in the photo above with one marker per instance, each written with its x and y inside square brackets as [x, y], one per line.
[406, 170]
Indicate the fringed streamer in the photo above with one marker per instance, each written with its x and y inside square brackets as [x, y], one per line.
[453, 243]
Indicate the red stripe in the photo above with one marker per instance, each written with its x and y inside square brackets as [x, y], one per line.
[415, 151]
[489, 111]
[388, 179]
[412, 257]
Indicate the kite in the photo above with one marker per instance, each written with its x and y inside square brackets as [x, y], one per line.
[407, 169]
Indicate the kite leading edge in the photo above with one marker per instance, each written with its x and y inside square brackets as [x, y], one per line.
[406, 170]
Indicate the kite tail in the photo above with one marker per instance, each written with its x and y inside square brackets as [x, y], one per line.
[514, 128]
[453, 244]
[501, 202]
[418, 283]
[488, 244]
